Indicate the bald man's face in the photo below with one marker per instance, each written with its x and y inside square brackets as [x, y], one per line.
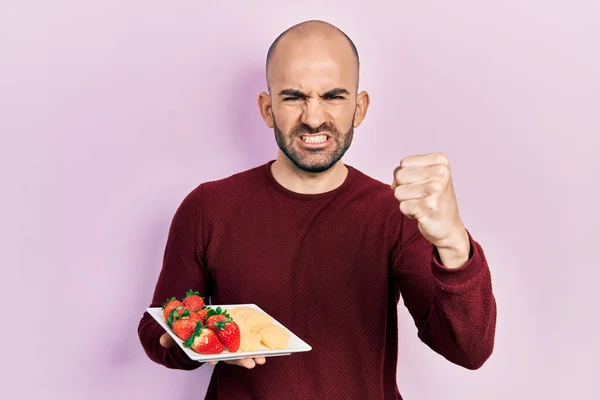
[313, 106]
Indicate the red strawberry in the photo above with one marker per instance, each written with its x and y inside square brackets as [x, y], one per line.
[193, 301]
[228, 333]
[204, 341]
[183, 325]
[176, 312]
[203, 314]
[215, 315]
[169, 305]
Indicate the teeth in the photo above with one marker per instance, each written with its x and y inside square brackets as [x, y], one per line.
[315, 139]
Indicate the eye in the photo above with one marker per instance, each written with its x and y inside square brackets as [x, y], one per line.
[290, 98]
[336, 98]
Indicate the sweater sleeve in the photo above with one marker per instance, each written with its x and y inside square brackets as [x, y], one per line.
[454, 309]
[183, 269]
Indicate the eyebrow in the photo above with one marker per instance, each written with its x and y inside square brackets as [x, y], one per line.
[297, 93]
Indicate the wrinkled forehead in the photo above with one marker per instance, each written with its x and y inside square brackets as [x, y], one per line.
[313, 64]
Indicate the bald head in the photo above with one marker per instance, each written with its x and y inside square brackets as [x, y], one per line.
[313, 104]
[318, 38]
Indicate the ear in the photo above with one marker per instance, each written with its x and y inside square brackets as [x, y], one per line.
[362, 105]
[266, 111]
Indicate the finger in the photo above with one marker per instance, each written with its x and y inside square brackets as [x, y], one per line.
[414, 191]
[213, 362]
[411, 208]
[421, 208]
[395, 181]
[424, 160]
[260, 360]
[167, 341]
[421, 174]
[248, 363]
[244, 362]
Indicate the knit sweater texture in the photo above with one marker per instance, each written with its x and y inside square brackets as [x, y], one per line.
[331, 267]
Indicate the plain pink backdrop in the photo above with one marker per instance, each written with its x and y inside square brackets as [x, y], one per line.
[111, 112]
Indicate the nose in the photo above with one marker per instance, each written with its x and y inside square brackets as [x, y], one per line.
[313, 114]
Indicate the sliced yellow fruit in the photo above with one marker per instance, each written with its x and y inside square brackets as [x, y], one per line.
[243, 311]
[249, 341]
[258, 321]
[244, 327]
[275, 337]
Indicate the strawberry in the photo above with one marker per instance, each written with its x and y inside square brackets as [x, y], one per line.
[215, 315]
[169, 305]
[203, 314]
[183, 325]
[203, 340]
[193, 301]
[228, 333]
[174, 314]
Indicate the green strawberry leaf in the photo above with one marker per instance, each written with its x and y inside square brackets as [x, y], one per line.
[167, 302]
[219, 325]
[174, 314]
[191, 293]
[211, 312]
[197, 330]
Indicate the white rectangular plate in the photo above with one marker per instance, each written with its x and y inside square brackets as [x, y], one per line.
[295, 344]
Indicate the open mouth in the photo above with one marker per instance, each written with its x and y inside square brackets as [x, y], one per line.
[314, 139]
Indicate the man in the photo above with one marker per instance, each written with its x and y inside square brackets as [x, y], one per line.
[325, 249]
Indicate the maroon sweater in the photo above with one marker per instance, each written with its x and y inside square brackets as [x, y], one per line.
[332, 267]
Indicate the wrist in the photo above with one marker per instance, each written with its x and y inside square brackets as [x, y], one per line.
[455, 253]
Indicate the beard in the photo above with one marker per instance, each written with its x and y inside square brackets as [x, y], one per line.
[314, 160]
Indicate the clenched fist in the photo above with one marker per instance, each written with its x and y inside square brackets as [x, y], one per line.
[423, 186]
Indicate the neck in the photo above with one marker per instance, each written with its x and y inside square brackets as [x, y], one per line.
[292, 178]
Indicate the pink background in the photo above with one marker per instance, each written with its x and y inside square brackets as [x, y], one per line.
[111, 111]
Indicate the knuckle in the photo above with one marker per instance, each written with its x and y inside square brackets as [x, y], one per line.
[435, 186]
[442, 158]
[431, 203]
[408, 161]
[442, 171]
